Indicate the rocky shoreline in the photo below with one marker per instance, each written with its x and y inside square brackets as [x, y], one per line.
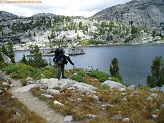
[100, 45]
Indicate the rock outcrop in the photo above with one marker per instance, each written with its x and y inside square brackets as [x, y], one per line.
[7, 16]
[146, 13]
[6, 58]
[76, 51]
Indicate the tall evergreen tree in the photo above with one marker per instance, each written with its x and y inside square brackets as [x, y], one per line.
[1, 58]
[114, 68]
[156, 78]
[36, 59]
[4, 50]
[0, 27]
[24, 59]
[10, 51]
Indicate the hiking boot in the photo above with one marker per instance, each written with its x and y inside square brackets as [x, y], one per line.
[64, 77]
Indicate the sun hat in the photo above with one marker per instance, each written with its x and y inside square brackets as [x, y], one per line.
[66, 53]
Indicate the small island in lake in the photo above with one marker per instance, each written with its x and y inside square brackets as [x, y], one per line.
[71, 51]
[76, 51]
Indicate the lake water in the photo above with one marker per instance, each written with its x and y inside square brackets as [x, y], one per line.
[135, 61]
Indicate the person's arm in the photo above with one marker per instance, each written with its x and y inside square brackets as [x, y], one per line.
[68, 58]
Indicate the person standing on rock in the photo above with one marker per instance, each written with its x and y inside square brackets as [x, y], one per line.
[61, 60]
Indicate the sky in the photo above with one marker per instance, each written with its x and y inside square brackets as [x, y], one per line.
[84, 8]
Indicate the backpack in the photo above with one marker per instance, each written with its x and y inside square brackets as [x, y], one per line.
[58, 52]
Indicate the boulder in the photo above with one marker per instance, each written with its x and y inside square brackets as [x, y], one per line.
[25, 88]
[154, 95]
[6, 84]
[89, 69]
[126, 120]
[65, 83]
[1, 92]
[117, 117]
[6, 58]
[47, 96]
[53, 91]
[2, 76]
[68, 118]
[162, 88]
[132, 87]
[155, 89]
[162, 106]
[113, 84]
[50, 83]
[84, 87]
[58, 103]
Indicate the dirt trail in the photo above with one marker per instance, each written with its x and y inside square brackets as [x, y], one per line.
[36, 105]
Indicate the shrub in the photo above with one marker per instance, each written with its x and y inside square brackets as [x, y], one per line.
[3, 65]
[24, 82]
[101, 76]
[128, 39]
[78, 78]
[144, 88]
[156, 78]
[161, 116]
[79, 71]
[49, 72]
[85, 41]
[21, 71]
[104, 87]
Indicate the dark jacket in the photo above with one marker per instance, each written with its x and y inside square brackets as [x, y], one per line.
[62, 59]
[66, 59]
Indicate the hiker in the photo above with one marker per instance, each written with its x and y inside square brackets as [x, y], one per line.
[62, 59]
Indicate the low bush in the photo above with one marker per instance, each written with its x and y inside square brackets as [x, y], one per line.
[101, 76]
[49, 72]
[78, 78]
[3, 65]
[85, 42]
[104, 87]
[21, 71]
[143, 87]
[79, 71]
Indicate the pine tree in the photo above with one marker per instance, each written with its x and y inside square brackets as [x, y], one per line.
[36, 59]
[114, 68]
[0, 27]
[4, 50]
[24, 59]
[80, 25]
[10, 51]
[156, 78]
[1, 58]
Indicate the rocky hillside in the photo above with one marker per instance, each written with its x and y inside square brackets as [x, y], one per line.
[47, 30]
[7, 16]
[146, 13]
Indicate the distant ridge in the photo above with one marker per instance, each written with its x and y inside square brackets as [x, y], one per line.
[146, 13]
[44, 14]
[7, 16]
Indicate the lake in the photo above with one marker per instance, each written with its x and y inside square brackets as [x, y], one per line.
[135, 61]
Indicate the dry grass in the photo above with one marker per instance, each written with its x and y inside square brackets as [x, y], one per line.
[12, 111]
[137, 108]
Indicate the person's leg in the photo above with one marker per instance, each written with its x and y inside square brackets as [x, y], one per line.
[62, 70]
[59, 71]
